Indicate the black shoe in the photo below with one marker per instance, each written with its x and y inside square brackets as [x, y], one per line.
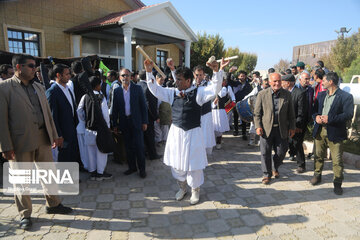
[93, 175]
[338, 189]
[292, 158]
[104, 176]
[244, 137]
[157, 156]
[25, 223]
[142, 174]
[59, 209]
[300, 170]
[235, 133]
[129, 171]
[315, 180]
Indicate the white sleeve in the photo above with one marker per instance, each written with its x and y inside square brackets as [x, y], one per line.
[163, 94]
[105, 112]
[80, 110]
[205, 94]
[173, 75]
[222, 92]
[231, 93]
[252, 93]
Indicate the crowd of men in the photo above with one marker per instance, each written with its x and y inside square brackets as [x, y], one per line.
[185, 110]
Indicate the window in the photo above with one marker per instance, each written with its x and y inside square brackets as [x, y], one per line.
[161, 57]
[24, 42]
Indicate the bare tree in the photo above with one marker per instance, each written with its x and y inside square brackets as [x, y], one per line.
[282, 65]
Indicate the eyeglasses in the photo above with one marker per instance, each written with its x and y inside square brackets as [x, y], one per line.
[30, 65]
[125, 75]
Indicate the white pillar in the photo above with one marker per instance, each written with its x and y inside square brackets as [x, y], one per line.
[140, 60]
[76, 42]
[127, 30]
[187, 53]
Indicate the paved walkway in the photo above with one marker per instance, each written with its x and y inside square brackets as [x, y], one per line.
[234, 205]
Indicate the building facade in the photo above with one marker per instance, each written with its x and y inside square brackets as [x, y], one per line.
[108, 28]
[311, 53]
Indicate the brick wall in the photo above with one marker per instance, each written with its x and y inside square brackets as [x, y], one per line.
[53, 17]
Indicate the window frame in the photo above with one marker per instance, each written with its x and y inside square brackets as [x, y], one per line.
[166, 57]
[40, 33]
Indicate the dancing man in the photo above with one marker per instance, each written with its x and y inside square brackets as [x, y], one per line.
[185, 147]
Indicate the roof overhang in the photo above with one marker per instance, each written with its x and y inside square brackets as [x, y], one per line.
[155, 24]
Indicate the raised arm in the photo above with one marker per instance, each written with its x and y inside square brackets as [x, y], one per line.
[209, 92]
[163, 94]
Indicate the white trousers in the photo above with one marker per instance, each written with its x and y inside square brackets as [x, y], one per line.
[194, 178]
[161, 132]
[97, 159]
[252, 127]
[218, 134]
[83, 150]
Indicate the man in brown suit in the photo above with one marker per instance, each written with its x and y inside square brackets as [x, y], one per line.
[274, 119]
[27, 129]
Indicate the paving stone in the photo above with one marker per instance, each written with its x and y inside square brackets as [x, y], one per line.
[252, 220]
[98, 234]
[217, 226]
[181, 231]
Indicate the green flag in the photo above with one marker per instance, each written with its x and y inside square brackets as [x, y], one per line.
[104, 68]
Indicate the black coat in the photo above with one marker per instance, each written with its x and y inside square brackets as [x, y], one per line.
[300, 107]
[341, 111]
[151, 102]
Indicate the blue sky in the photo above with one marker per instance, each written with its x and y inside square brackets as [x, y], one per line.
[269, 28]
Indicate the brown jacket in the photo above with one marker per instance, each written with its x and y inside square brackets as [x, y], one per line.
[18, 128]
[264, 115]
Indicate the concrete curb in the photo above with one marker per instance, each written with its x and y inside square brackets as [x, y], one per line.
[349, 158]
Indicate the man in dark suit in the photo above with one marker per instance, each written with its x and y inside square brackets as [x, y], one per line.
[299, 101]
[152, 105]
[241, 88]
[63, 109]
[304, 85]
[274, 120]
[332, 109]
[77, 68]
[129, 115]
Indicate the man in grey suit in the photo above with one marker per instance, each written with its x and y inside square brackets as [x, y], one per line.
[27, 129]
[274, 119]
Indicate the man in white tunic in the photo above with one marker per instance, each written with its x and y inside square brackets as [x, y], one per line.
[185, 147]
[207, 125]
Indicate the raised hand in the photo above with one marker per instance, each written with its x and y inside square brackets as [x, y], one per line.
[148, 64]
[224, 63]
[170, 64]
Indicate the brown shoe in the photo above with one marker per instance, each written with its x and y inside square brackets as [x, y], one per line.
[276, 174]
[315, 180]
[266, 180]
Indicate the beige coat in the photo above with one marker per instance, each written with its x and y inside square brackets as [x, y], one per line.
[264, 115]
[18, 128]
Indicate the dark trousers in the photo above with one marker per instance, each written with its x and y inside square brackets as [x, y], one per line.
[266, 146]
[70, 151]
[134, 143]
[149, 139]
[296, 148]
[236, 122]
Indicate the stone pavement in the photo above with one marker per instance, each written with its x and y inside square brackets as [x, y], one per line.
[233, 205]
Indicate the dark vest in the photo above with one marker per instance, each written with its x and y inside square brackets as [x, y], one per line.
[91, 120]
[206, 107]
[222, 101]
[186, 112]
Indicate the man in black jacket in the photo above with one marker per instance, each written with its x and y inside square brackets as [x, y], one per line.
[332, 109]
[151, 103]
[300, 107]
[241, 88]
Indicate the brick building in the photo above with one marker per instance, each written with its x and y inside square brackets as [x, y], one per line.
[108, 28]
